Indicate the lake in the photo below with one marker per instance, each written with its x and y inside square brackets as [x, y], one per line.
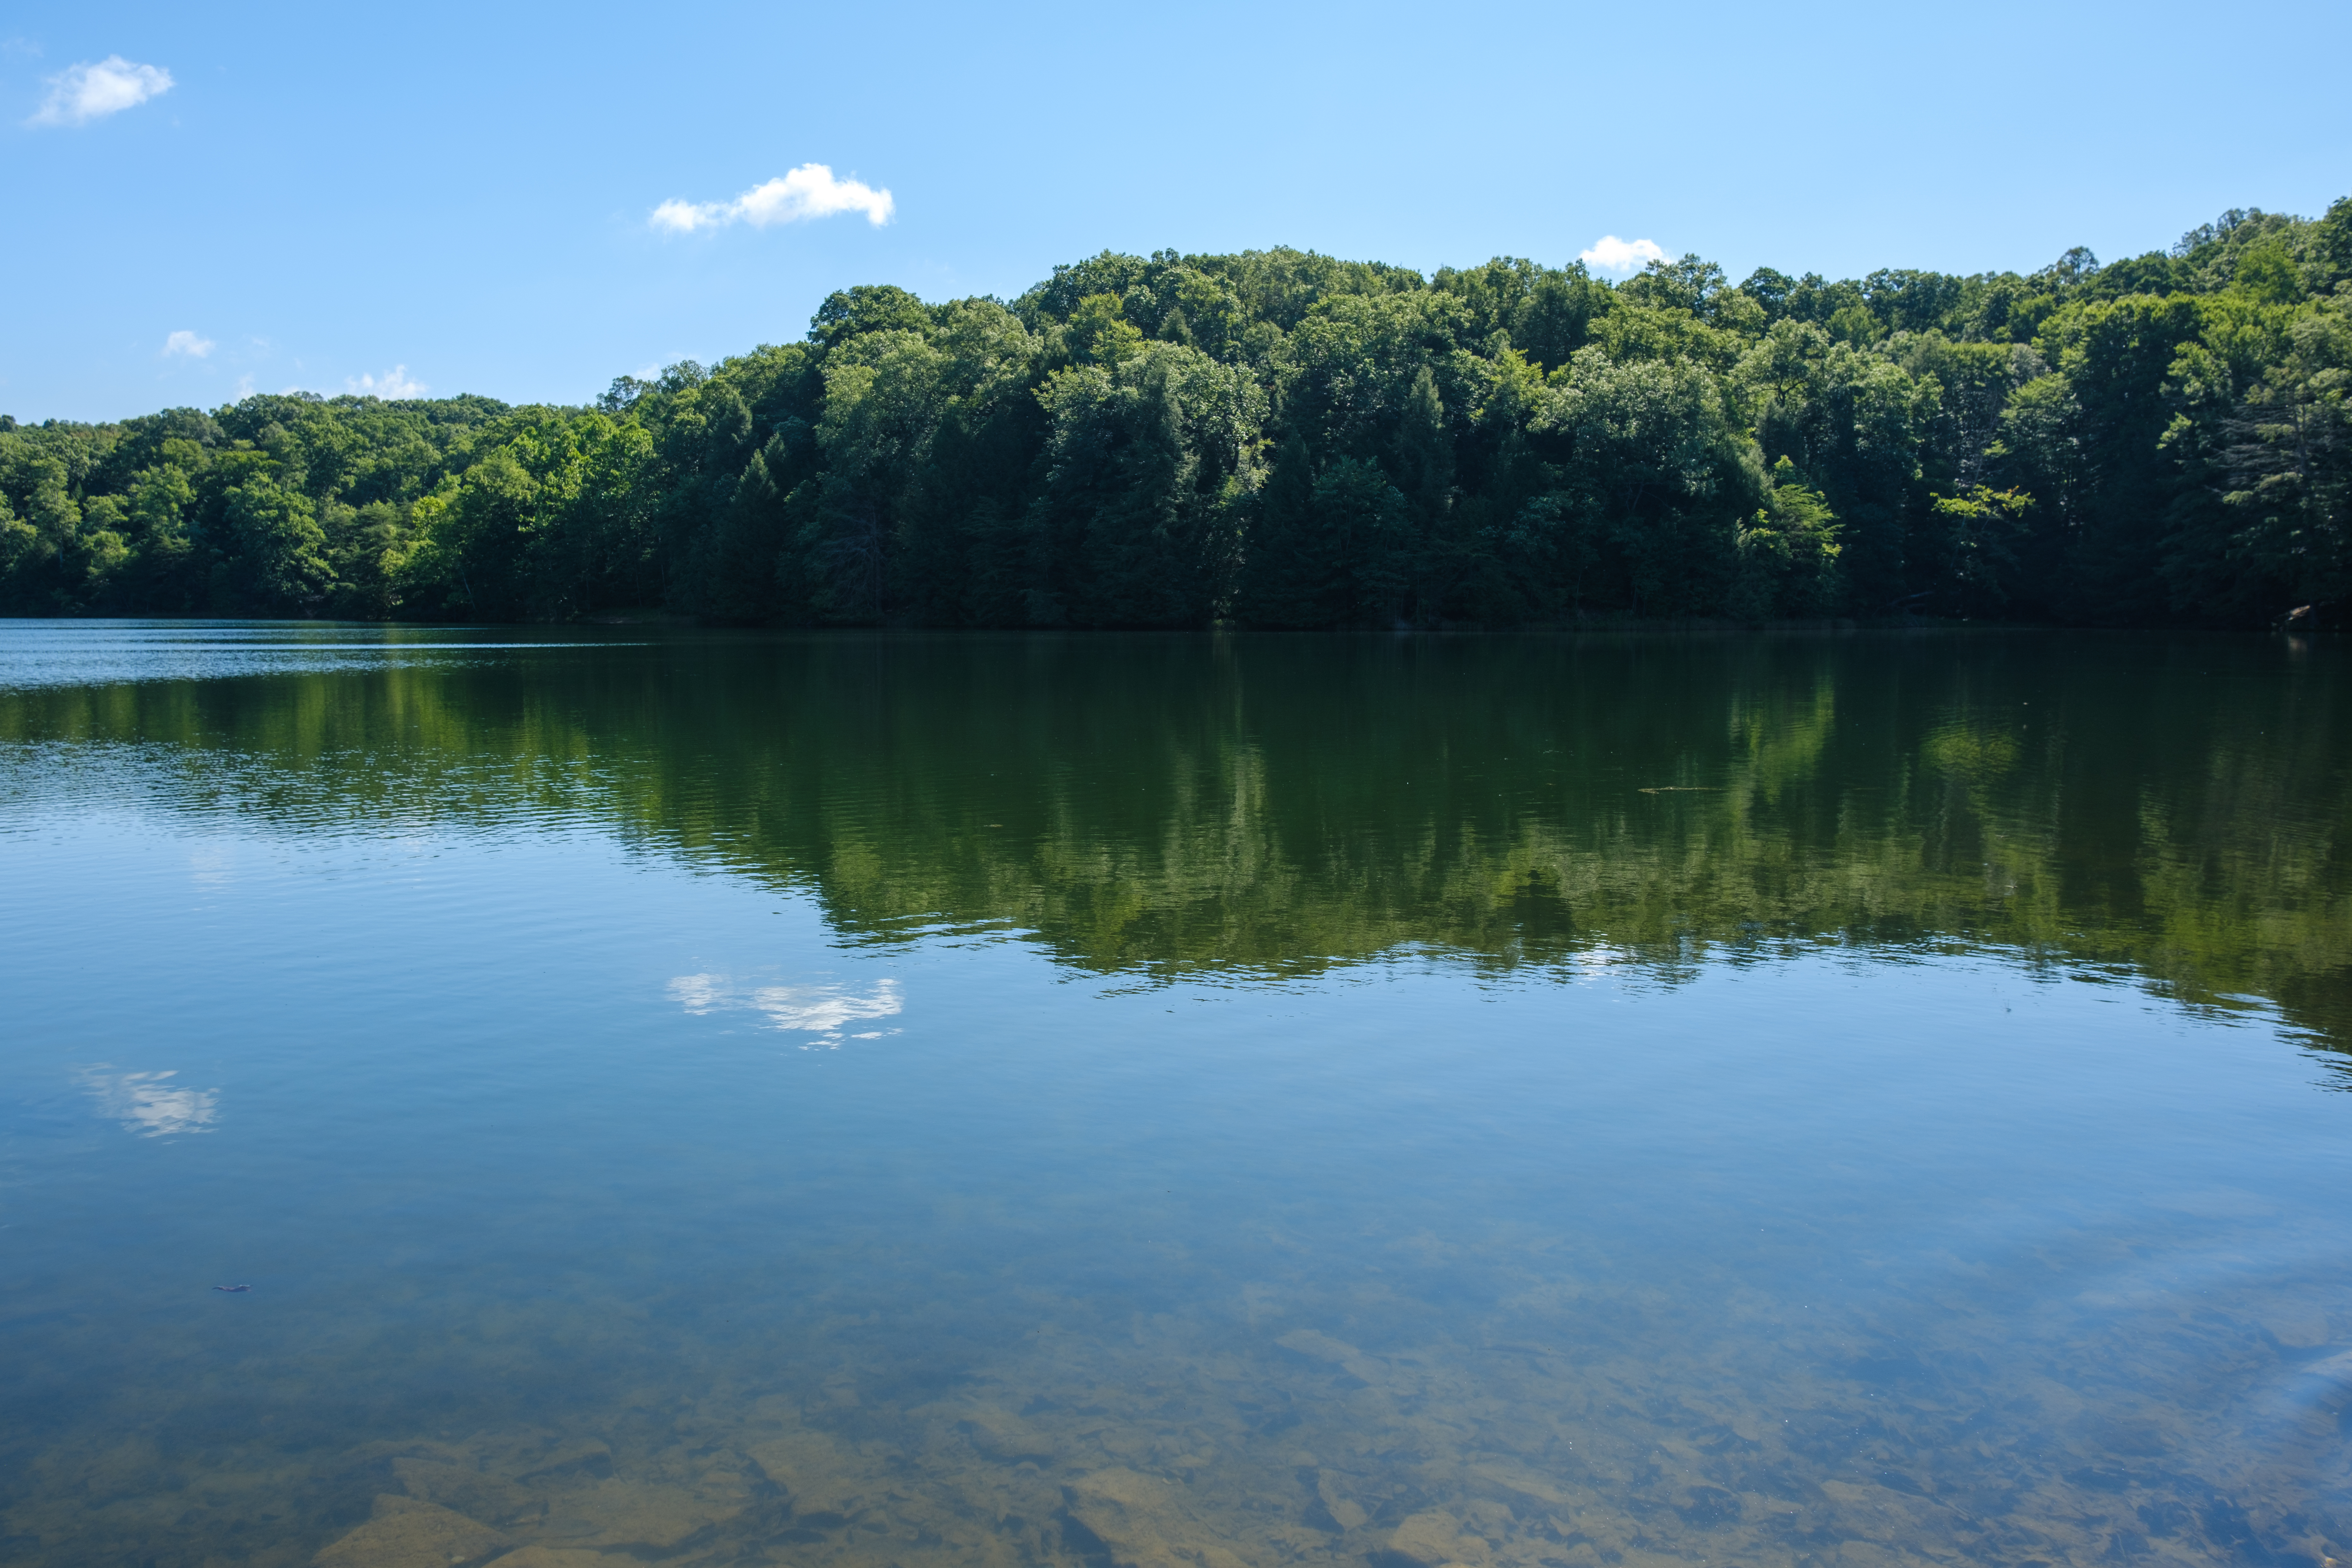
[1186, 1102]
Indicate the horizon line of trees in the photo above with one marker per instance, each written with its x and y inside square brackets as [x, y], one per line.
[1278, 438]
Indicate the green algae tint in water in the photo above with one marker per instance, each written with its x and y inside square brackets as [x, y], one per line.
[1171, 1100]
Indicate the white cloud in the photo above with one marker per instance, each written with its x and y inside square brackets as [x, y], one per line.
[187, 343]
[1622, 257]
[808, 192]
[85, 92]
[394, 384]
[685, 217]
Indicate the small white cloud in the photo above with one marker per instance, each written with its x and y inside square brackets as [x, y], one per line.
[810, 191]
[685, 217]
[1622, 257]
[187, 343]
[85, 92]
[394, 382]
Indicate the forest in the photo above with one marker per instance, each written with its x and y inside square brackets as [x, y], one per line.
[1281, 440]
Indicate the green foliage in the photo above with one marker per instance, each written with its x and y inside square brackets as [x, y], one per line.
[1149, 463]
[1787, 555]
[272, 551]
[1282, 438]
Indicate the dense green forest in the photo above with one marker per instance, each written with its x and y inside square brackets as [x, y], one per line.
[1278, 438]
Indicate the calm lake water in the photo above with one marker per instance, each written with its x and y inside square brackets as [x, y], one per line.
[1185, 1102]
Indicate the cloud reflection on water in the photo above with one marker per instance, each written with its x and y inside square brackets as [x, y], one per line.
[145, 1103]
[823, 1010]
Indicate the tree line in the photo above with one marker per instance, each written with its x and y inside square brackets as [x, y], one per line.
[1278, 438]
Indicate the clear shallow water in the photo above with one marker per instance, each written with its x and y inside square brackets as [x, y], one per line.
[1180, 1100]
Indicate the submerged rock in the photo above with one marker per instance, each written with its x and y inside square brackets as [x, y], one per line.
[466, 1489]
[1146, 1522]
[1344, 1511]
[407, 1532]
[625, 1514]
[820, 1475]
[1437, 1539]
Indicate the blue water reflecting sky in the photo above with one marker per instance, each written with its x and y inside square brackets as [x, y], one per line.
[598, 1194]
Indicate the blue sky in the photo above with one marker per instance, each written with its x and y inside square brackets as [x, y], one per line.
[463, 198]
